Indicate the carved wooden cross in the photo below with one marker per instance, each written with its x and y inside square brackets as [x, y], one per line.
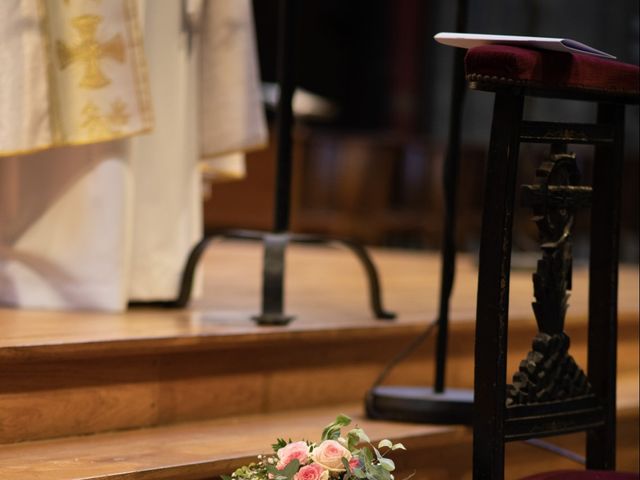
[89, 51]
[554, 202]
[549, 372]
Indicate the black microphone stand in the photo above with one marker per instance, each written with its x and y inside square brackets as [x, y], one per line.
[437, 404]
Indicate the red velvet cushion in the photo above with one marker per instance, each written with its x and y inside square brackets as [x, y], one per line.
[555, 70]
[583, 475]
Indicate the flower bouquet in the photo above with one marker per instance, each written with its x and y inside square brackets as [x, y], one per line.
[336, 457]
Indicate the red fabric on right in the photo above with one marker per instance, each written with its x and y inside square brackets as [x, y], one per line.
[554, 70]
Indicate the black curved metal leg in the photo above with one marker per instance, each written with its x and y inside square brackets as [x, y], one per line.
[189, 271]
[273, 273]
[375, 297]
[186, 282]
[373, 279]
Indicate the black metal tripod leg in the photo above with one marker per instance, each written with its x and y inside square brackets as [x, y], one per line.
[273, 273]
[273, 281]
[186, 284]
[186, 280]
[375, 296]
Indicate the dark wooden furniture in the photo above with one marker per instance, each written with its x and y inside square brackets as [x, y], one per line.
[550, 394]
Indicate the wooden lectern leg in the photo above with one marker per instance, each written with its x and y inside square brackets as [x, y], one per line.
[493, 289]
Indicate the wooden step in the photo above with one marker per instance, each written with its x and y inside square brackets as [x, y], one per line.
[206, 449]
[79, 373]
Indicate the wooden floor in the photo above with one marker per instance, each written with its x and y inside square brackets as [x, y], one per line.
[191, 394]
[325, 289]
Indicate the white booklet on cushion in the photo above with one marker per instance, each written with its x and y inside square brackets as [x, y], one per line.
[469, 40]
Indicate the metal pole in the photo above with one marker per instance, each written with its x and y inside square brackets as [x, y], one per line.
[450, 181]
[284, 116]
[275, 243]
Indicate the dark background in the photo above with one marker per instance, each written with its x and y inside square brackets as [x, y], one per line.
[374, 171]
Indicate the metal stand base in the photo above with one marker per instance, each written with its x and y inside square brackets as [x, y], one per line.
[272, 319]
[420, 405]
[273, 273]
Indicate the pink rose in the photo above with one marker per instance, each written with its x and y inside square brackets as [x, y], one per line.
[293, 451]
[312, 472]
[329, 454]
[354, 463]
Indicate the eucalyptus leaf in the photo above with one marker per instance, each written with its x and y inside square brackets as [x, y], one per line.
[368, 455]
[387, 464]
[385, 443]
[347, 467]
[360, 473]
[361, 435]
[379, 456]
[287, 473]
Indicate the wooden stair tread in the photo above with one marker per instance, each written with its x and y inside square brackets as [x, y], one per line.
[184, 450]
[325, 305]
[208, 448]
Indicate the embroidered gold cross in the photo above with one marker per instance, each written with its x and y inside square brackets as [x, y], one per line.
[100, 126]
[90, 51]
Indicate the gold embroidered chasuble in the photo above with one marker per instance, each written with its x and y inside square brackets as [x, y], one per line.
[73, 73]
[94, 225]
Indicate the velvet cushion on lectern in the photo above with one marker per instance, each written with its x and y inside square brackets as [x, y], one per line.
[583, 475]
[554, 70]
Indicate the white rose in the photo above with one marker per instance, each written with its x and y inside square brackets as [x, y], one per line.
[329, 454]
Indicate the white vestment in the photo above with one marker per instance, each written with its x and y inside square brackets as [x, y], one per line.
[95, 225]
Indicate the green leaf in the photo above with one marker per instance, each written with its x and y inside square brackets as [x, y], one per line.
[387, 464]
[356, 436]
[345, 464]
[291, 469]
[367, 455]
[363, 436]
[352, 441]
[277, 474]
[385, 443]
[280, 442]
[378, 472]
[286, 473]
[379, 456]
[332, 431]
[360, 473]
[343, 420]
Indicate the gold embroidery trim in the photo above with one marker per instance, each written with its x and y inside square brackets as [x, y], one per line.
[136, 43]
